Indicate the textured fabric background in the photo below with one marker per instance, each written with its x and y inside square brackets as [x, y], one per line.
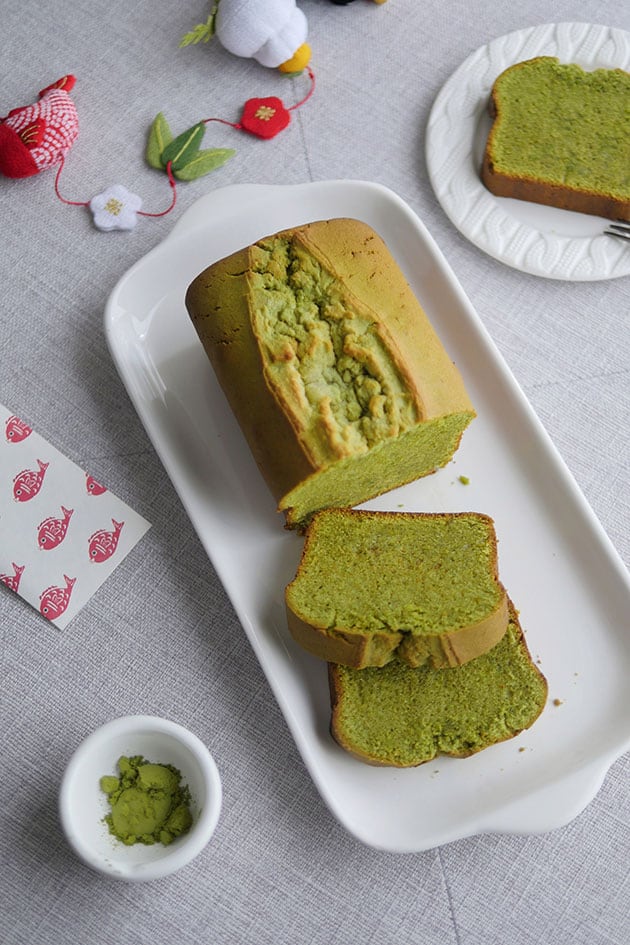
[160, 636]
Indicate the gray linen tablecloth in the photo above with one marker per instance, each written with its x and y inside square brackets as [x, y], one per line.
[160, 636]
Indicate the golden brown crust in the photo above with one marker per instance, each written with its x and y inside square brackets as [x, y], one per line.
[551, 195]
[357, 649]
[373, 279]
[457, 647]
[218, 304]
[343, 645]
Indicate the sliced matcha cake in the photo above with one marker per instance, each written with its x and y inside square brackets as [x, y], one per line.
[332, 369]
[422, 587]
[561, 136]
[403, 717]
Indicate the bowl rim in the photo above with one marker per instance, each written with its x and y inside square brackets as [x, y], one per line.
[174, 857]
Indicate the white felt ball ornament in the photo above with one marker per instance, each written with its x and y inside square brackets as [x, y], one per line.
[273, 33]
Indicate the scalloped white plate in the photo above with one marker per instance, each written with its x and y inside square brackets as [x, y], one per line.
[564, 576]
[543, 241]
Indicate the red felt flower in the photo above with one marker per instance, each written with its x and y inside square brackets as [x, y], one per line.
[265, 117]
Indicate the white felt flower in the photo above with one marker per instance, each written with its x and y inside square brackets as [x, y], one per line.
[115, 209]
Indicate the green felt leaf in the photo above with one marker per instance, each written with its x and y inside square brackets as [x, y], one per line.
[202, 32]
[159, 137]
[183, 148]
[204, 162]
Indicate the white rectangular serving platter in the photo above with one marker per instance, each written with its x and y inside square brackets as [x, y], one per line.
[560, 569]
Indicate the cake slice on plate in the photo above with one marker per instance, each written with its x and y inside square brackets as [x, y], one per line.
[422, 587]
[403, 717]
[561, 137]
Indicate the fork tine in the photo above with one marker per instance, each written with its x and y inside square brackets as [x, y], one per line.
[620, 230]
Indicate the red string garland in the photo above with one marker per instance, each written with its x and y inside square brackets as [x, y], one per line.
[262, 117]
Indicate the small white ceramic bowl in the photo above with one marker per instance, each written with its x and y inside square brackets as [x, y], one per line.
[82, 804]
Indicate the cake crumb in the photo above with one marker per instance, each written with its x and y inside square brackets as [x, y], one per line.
[522, 748]
[465, 481]
[558, 702]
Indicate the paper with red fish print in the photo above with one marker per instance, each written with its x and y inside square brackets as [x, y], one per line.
[53, 602]
[27, 483]
[52, 531]
[15, 430]
[62, 532]
[103, 544]
[12, 581]
[92, 486]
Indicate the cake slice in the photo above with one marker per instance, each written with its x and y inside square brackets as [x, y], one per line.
[422, 587]
[332, 369]
[403, 717]
[561, 137]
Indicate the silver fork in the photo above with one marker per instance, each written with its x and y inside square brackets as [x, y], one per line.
[622, 230]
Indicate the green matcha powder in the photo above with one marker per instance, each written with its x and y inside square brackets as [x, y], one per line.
[148, 802]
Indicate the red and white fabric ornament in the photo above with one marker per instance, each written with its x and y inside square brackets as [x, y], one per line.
[36, 137]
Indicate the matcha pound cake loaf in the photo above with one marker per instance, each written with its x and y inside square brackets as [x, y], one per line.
[372, 586]
[561, 136]
[404, 717]
[332, 369]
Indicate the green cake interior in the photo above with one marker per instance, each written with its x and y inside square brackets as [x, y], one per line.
[395, 461]
[424, 574]
[564, 125]
[348, 393]
[403, 716]
[352, 405]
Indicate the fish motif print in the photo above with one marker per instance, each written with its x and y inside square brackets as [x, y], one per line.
[92, 486]
[12, 581]
[102, 544]
[63, 533]
[54, 600]
[16, 430]
[52, 531]
[27, 483]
